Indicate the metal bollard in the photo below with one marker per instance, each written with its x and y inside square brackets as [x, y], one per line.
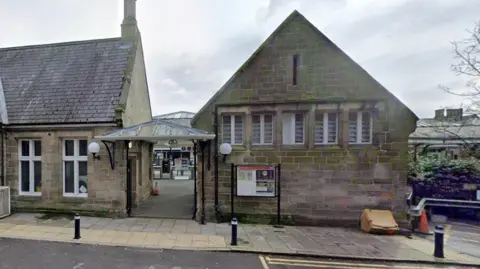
[77, 227]
[234, 231]
[439, 232]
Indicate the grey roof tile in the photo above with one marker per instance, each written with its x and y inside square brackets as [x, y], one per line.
[73, 82]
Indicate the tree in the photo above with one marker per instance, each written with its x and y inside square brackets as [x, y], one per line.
[467, 64]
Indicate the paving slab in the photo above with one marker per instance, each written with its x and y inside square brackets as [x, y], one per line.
[187, 234]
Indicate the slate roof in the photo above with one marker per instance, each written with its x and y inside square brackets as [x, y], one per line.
[429, 130]
[72, 82]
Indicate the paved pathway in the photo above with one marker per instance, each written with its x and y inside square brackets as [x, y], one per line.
[175, 200]
[186, 234]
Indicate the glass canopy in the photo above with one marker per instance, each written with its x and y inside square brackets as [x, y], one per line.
[156, 130]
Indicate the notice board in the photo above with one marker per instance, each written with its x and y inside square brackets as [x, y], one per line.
[256, 181]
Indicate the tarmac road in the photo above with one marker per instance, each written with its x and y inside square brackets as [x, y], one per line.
[463, 236]
[21, 254]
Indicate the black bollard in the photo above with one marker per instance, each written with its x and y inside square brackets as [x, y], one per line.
[77, 227]
[439, 232]
[234, 231]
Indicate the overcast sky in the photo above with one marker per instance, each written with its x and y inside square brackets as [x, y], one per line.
[193, 46]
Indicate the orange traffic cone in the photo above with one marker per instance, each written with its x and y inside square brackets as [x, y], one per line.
[423, 224]
[155, 191]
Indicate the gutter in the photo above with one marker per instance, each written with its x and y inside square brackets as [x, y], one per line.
[52, 126]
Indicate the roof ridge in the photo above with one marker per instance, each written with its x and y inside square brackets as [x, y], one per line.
[66, 43]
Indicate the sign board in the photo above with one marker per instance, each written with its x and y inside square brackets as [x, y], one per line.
[256, 181]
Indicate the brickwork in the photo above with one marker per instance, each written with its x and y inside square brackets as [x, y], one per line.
[320, 184]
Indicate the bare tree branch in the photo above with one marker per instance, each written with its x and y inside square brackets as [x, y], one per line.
[466, 54]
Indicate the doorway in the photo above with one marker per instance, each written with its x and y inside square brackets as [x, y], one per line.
[175, 198]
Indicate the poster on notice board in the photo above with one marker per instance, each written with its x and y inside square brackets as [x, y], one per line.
[256, 181]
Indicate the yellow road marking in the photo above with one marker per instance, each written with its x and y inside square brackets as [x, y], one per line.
[263, 262]
[310, 265]
[327, 264]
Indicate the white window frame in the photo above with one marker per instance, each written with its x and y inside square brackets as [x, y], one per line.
[31, 159]
[75, 158]
[359, 129]
[232, 128]
[325, 128]
[292, 130]
[262, 129]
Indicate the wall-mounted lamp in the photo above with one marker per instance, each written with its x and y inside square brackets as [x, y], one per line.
[94, 148]
[225, 149]
[130, 144]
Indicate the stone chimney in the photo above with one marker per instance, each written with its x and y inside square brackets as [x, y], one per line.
[439, 114]
[129, 25]
[455, 114]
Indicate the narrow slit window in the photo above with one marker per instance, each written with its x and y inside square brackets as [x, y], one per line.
[295, 70]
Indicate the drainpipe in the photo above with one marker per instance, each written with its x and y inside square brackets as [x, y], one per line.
[215, 154]
[3, 154]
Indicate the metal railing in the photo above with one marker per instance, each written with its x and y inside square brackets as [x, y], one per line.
[414, 211]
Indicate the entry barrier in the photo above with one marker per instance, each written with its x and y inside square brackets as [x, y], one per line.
[234, 231]
[77, 227]
[439, 234]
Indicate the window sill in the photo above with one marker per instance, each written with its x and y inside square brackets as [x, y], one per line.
[238, 147]
[73, 199]
[263, 146]
[294, 146]
[74, 196]
[30, 194]
[360, 146]
[27, 198]
[333, 145]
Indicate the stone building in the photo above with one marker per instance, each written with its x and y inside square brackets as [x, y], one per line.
[54, 99]
[341, 138]
[453, 134]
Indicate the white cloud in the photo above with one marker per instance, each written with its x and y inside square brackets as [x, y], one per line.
[192, 47]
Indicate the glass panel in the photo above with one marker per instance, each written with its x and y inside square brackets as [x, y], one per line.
[37, 176]
[69, 177]
[82, 177]
[25, 176]
[352, 127]
[268, 129]
[25, 148]
[37, 145]
[319, 128]
[287, 126]
[69, 148]
[332, 127]
[83, 148]
[227, 129]
[238, 130]
[298, 128]
[366, 127]
[256, 129]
